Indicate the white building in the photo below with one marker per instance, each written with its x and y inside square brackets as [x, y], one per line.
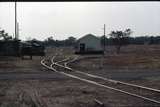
[89, 44]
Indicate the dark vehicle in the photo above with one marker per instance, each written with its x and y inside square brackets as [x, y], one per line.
[32, 49]
[9, 48]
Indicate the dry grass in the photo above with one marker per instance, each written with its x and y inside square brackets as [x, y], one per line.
[143, 56]
[138, 57]
[137, 61]
[70, 92]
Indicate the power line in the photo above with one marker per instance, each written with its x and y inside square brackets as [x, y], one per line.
[104, 36]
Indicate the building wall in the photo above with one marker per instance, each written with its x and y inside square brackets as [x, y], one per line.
[91, 44]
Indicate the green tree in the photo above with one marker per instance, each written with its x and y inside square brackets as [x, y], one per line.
[120, 38]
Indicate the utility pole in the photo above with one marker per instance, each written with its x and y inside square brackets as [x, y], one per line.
[103, 57]
[16, 24]
[15, 20]
[17, 30]
[104, 37]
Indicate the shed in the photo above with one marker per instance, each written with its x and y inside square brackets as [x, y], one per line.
[89, 44]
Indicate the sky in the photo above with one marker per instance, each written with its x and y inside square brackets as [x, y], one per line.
[61, 20]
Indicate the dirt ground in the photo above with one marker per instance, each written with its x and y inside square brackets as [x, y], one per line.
[62, 91]
[136, 64]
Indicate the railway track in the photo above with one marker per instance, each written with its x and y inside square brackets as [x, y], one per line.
[61, 66]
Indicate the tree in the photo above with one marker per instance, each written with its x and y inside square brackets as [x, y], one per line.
[5, 35]
[120, 38]
[50, 41]
[70, 41]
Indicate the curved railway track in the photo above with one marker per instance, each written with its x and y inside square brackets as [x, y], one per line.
[61, 66]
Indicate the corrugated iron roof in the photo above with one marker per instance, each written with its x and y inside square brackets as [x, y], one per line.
[87, 36]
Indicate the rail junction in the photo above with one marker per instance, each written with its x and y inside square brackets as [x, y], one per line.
[60, 65]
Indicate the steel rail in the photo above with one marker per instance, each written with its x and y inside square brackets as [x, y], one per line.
[87, 74]
[62, 60]
[101, 85]
[106, 79]
[111, 80]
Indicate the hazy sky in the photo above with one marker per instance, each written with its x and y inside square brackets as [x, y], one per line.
[63, 19]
